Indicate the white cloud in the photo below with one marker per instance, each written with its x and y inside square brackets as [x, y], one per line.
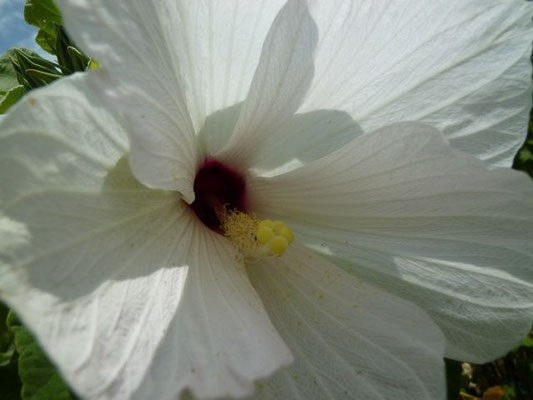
[14, 31]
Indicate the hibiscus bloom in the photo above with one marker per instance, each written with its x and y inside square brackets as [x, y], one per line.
[134, 199]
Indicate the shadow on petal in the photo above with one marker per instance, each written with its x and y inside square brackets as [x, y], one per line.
[304, 137]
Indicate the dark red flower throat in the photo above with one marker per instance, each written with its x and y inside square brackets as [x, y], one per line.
[217, 185]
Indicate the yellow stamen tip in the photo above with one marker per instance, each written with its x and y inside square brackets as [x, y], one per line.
[278, 244]
[264, 234]
[287, 234]
[254, 238]
[278, 226]
[266, 223]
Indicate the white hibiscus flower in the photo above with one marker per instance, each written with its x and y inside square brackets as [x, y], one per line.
[227, 110]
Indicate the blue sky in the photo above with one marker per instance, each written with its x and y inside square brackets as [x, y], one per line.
[14, 31]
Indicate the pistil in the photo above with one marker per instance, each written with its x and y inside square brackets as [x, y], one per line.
[221, 205]
[255, 238]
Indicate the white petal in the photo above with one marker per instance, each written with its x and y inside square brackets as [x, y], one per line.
[279, 85]
[304, 138]
[427, 223]
[350, 340]
[212, 47]
[173, 63]
[44, 146]
[300, 138]
[134, 42]
[221, 339]
[460, 65]
[112, 276]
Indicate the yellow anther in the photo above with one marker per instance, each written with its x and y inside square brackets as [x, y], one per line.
[264, 234]
[278, 244]
[278, 226]
[267, 223]
[287, 234]
[255, 238]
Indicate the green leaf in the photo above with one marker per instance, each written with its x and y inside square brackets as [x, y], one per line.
[510, 392]
[8, 349]
[70, 58]
[527, 342]
[11, 97]
[93, 64]
[34, 71]
[44, 15]
[79, 60]
[8, 76]
[525, 155]
[40, 379]
[7, 340]
[10, 385]
[46, 41]
[45, 77]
